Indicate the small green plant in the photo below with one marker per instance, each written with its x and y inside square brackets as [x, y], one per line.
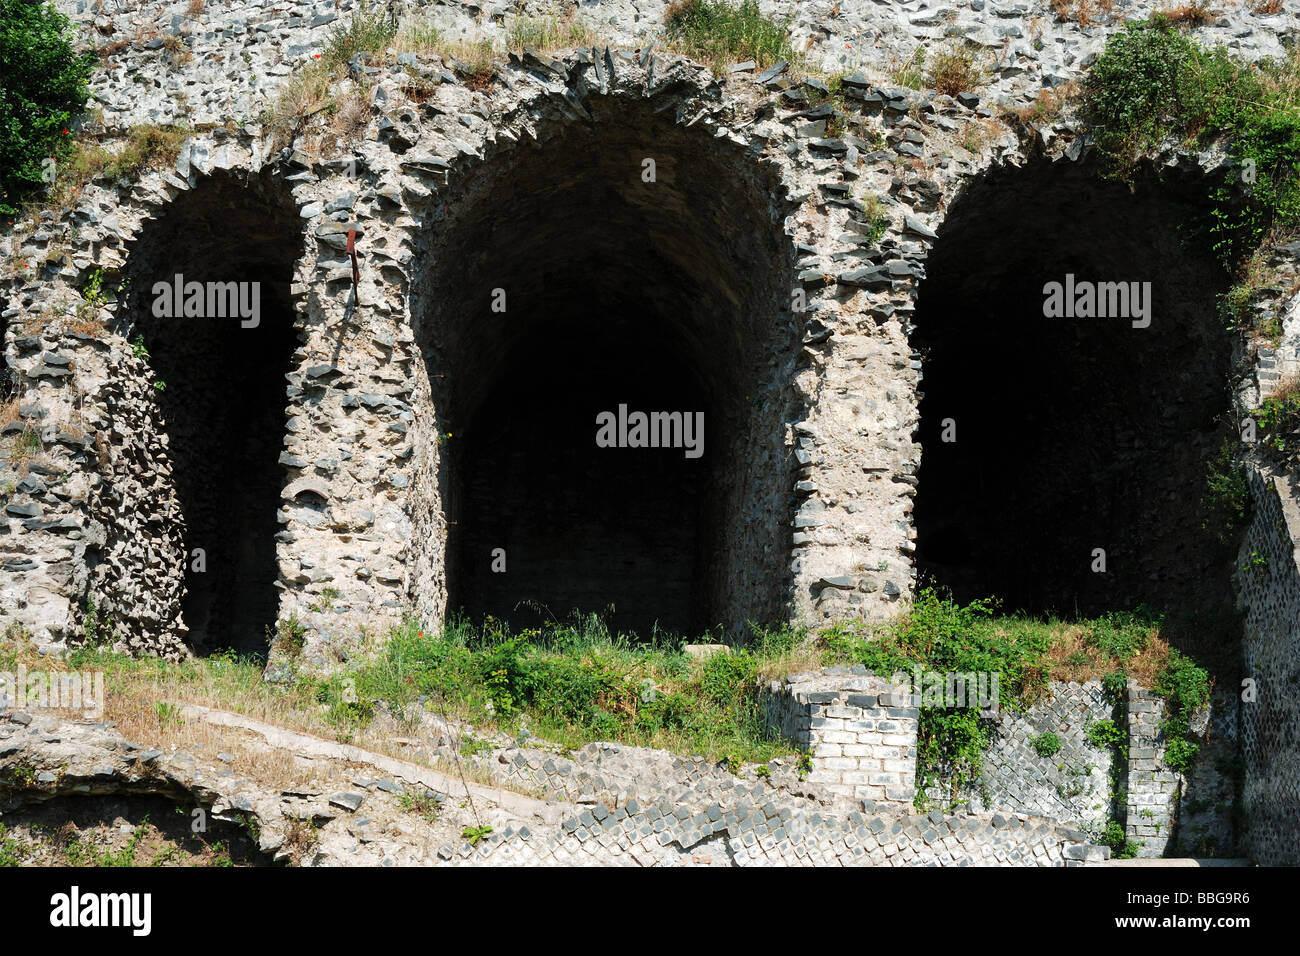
[1256, 562]
[731, 764]
[138, 349]
[11, 851]
[873, 212]
[473, 746]
[423, 803]
[97, 628]
[763, 771]
[911, 72]
[92, 293]
[804, 765]
[1105, 734]
[169, 714]
[1115, 686]
[1045, 744]
[26, 444]
[328, 596]
[290, 635]
[475, 834]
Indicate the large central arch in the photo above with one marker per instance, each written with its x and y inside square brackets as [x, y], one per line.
[623, 261]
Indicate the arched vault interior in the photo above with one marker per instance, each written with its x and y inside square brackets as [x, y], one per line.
[1050, 439]
[627, 261]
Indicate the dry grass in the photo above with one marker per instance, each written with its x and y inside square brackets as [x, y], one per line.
[195, 8]
[1195, 14]
[9, 411]
[979, 133]
[1072, 658]
[109, 50]
[418, 35]
[144, 148]
[1265, 8]
[1048, 106]
[477, 63]
[1083, 12]
[134, 689]
[953, 70]
[549, 32]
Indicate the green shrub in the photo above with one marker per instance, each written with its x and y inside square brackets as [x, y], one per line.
[1106, 734]
[1121, 848]
[1227, 496]
[1186, 688]
[369, 31]
[43, 87]
[719, 33]
[1278, 418]
[1152, 82]
[1046, 744]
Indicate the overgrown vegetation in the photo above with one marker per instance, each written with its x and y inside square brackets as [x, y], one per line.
[43, 87]
[320, 87]
[145, 147]
[1153, 82]
[1278, 421]
[938, 635]
[549, 31]
[721, 33]
[576, 682]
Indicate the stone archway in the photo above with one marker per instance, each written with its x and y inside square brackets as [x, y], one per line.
[219, 341]
[626, 261]
[1081, 431]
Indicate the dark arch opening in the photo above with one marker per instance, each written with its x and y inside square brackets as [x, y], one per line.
[223, 405]
[664, 296]
[1072, 434]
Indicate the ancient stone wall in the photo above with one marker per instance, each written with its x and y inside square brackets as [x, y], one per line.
[408, 418]
[1270, 719]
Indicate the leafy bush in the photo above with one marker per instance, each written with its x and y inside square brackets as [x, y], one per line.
[1046, 744]
[1278, 418]
[1186, 688]
[1105, 734]
[1121, 847]
[1152, 82]
[43, 86]
[719, 33]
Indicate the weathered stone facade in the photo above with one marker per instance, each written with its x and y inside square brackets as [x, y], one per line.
[331, 465]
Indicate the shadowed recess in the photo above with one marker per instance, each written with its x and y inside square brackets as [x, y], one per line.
[223, 405]
[1072, 434]
[664, 296]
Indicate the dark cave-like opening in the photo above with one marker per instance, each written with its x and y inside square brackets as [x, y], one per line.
[669, 296]
[223, 398]
[1073, 435]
